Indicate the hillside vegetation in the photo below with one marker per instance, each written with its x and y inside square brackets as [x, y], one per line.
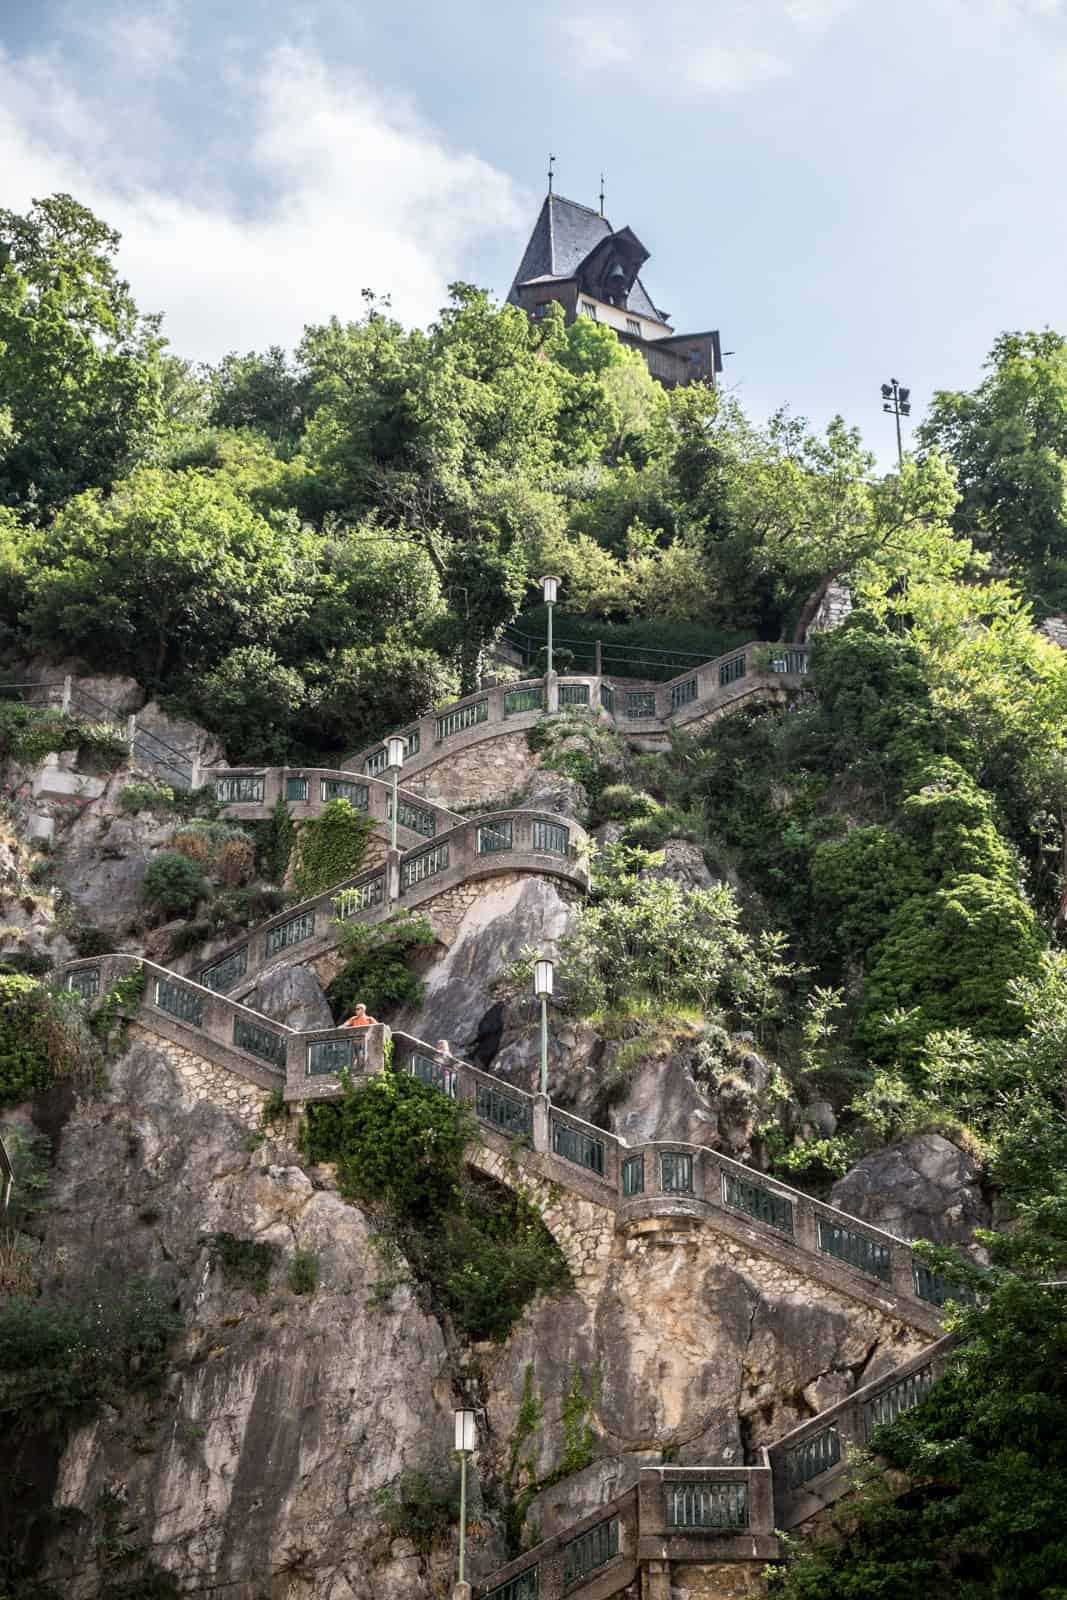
[304, 551]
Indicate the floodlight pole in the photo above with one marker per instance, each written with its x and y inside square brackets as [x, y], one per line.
[897, 402]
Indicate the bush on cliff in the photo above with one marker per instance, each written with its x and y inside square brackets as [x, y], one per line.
[481, 1251]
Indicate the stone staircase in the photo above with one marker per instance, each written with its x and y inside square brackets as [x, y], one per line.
[673, 1517]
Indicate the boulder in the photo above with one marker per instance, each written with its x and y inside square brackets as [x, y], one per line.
[925, 1187]
[555, 792]
[292, 995]
[683, 862]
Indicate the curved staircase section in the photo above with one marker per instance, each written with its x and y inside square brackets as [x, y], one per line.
[536, 842]
[640, 711]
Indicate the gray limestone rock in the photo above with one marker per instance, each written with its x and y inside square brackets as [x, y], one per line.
[555, 792]
[925, 1187]
[683, 862]
[292, 995]
[286, 1416]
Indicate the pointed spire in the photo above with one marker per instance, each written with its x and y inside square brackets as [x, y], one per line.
[601, 194]
[551, 169]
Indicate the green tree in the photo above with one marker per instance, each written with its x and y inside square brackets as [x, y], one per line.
[80, 367]
[1007, 439]
[265, 393]
[165, 576]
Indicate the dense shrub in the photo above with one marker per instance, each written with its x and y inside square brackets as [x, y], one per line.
[29, 733]
[481, 1251]
[376, 970]
[62, 1356]
[173, 884]
[225, 852]
[245, 1262]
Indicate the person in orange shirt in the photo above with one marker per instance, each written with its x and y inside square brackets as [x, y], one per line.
[359, 1018]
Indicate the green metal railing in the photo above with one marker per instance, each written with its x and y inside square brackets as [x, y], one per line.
[574, 694]
[707, 1504]
[417, 818]
[592, 1549]
[857, 1249]
[552, 837]
[640, 703]
[512, 1116]
[222, 975]
[898, 1398]
[758, 1202]
[607, 698]
[517, 701]
[426, 865]
[494, 836]
[361, 897]
[428, 1069]
[296, 788]
[86, 982]
[463, 717]
[357, 794]
[238, 791]
[581, 1148]
[683, 693]
[181, 1003]
[931, 1286]
[633, 1175]
[676, 1172]
[817, 1454]
[526, 1586]
[731, 671]
[326, 1056]
[790, 661]
[295, 931]
[259, 1042]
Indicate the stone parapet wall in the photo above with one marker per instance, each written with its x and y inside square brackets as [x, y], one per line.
[206, 1080]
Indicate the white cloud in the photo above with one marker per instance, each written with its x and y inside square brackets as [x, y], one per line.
[354, 189]
[717, 47]
[147, 42]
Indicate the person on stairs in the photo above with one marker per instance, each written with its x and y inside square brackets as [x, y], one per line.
[359, 1018]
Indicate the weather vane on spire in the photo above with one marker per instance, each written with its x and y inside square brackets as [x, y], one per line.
[551, 165]
[601, 194]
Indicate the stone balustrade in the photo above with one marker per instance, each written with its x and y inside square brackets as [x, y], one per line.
[810, 1465]
[479, 847]
[673, 1514]
[249, 793]
[304, 1064]
[636, 709]
[679, 1514]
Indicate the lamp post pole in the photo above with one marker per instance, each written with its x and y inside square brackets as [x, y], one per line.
[550, 589]
[543, 975]
[396, 749]
[465, 1440]
[897, 402]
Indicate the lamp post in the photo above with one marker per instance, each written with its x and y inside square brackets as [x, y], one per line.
[395, 750]
[543, 974]
[465, 1441]
[549, 588]
[897, 402]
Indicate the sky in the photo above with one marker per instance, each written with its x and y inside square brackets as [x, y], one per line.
[850, 190]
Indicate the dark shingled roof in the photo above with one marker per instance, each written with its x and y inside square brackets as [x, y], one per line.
[563, 236]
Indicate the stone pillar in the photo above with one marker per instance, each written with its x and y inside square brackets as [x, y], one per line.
[392, 875]
[131, 731]
[656, 1581]
[65, 703]
[461, 1591]
[542, 1133]
[551, 692]
[196, 776]
[598, 658]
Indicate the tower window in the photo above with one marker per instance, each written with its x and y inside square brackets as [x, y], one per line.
[541, 308]
[633, 326]
[589, 309]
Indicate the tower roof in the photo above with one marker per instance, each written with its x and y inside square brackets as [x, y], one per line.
[563, 236]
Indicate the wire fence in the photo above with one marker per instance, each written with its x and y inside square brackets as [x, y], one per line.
[592, 655]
